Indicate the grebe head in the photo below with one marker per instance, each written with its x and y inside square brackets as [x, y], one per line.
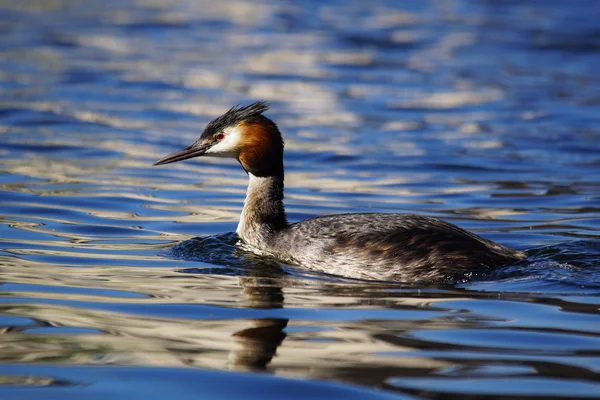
[242, 133]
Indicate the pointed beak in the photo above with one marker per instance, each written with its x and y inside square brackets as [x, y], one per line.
[195, 150]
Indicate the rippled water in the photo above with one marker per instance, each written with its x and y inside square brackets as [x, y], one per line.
[122, 280]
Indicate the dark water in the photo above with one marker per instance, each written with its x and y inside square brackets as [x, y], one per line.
[484, 113]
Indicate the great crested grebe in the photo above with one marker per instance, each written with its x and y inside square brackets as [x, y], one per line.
[399, 247]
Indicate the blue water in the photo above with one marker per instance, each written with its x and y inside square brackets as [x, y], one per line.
[122, 280]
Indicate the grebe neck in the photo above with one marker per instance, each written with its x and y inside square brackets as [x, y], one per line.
[263, 213]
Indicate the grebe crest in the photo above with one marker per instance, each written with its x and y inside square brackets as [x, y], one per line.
[402, 247]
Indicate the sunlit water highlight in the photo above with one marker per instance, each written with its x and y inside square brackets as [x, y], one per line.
[122, 280]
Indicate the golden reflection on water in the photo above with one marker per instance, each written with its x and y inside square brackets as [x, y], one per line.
[242, 344]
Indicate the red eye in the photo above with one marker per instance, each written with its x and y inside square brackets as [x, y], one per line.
[220, 136]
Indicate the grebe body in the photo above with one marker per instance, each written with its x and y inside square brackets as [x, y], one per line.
[399, 247]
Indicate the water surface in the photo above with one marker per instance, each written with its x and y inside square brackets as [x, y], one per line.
[121, 279]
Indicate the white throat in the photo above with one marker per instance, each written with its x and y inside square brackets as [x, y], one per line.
[263, 213]
[246, 227]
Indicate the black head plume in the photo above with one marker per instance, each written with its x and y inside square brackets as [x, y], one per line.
[235, 115]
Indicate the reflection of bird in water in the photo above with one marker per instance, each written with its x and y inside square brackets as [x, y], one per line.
[402, 247]
[256, 346]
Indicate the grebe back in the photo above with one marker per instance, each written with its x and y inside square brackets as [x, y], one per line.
[399, 247]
